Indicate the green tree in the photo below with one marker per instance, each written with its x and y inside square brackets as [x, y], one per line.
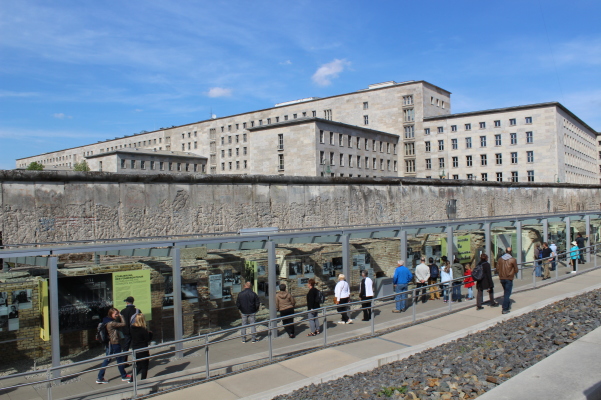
[81, 166]
[35, 166]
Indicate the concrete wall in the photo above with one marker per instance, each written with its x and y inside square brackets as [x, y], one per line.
[58, 206]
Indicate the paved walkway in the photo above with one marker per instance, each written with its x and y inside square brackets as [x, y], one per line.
[331, 363]
[322, 364]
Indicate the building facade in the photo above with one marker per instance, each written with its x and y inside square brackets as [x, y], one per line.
[388, 129]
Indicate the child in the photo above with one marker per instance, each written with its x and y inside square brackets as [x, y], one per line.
[469, 283]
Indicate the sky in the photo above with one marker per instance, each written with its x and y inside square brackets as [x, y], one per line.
[76, 72]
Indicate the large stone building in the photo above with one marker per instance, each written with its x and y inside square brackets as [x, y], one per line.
[389, 129]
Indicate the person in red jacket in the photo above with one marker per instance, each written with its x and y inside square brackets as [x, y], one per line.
[469, 283]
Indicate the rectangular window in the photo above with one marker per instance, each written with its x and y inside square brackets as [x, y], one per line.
[327, 114]
[483, 160]
[381, 164]
[409, 149]
[499, 159]
[428, 148]
[179, 166]
[161, 166]
[244, 137]
[314, 113]
[381, 147]
[237, 138]
[230, 165]
[187, 167]
[456, 177]
[244, 151]
[514, 157]
[332, 159]
[454, 144]
[441, 163]
[132, 164]
[440, 145]
[366, 120]
[497, 123]
[350, 161]
[482, 125]
[374, 164]
[170, 166]
[245, 164]
[512, 121]
[388, 148]
[229, 140]
[428, 163]
[530, 176]
[223, 166]
[453, 128]
[455, 162]
[427, 131]
[514, 176]
[513, 138]
[468, 127]
[482, 141]
[530, 156]
[183, 146]
[388, 165]
[409, 115]
[395, 166]
[529, 138]
[123, 164]
[322, 157]
[359, 143]
[358, 161]
[407, 100]
[499, 177]
[350, 141]
[280, 162]
[366, 144]
[196, 145]
[528, 120]
[331, 138]
[440, 129]
[229, 152]
[394, 148]
[373, 145]
[410, 166]
[268, 121]
[409, 132]
[470, 177]
[285, 118]
[497, 140]
[366, 162]
[468, 161]
[468, 142]
[142, 164]
[340, 139]
[322, 138]
[342, 160]
[484, 176]
[280, 142]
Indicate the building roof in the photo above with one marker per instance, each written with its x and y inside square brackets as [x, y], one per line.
[507, 109]
[175, 154]
[308, 120]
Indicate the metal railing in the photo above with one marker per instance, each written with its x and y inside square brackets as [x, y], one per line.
[270, 328]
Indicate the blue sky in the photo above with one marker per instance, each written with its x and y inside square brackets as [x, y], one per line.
[75, 72]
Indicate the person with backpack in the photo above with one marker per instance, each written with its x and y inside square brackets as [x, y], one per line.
[127, 315]
[548, 258]
[140, 339]
[113, 323]
[538, 254]
[482, 274]
[366, 293]
[248, 304]
[507, 267]
[469, 283]
[313, 303]
[433, 279]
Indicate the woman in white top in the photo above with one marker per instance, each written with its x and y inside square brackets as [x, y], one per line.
[446, 276]
[342, 292]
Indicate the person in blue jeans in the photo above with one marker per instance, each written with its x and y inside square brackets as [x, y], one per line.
[400, 281]
[113, 324]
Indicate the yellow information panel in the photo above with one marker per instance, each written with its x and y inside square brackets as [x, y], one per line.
[136, 284]
[44, 320]
[462, 247]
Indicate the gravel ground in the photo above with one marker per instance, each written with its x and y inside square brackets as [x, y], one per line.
[470, 366]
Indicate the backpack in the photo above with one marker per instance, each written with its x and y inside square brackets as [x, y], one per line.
[434, 272]
[478, 273]
[102, 334]
[322, 297]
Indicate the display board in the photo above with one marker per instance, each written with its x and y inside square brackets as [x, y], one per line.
[43, 308]
[133, 283]
[462, 247]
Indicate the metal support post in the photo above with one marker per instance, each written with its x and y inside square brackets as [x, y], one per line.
[207, 367]
[568, 233]
[373, 317]
[487, 240]
[325, 327]
[587, 234]
[134, 372]
[178, 320]
[414, 305]
[55, 337]
[519, 251]
[545, 223]
[450, 244]
[346, 259]
[403, 246]
[271, 283]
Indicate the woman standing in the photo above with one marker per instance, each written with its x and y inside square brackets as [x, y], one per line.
[313, 304]
[485, 283]
[469, 282]
[342, 292]
[574, 256]
[285, 305]
[140, 338]
[446, 276]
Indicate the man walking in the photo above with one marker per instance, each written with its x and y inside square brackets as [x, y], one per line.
[126, 315]
[507, 267]
[422, 274]
[400, 281]
[580, 242]
[366, 293]
[248, 304]
[547, 252]
[434, 274]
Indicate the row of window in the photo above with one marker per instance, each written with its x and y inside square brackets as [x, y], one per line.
[230, 165]
[358, 161]
[514, 176]
[513, 140]
[482, 125]
[141, 143]
[327, 114]
[189, 146]
[236, 138]
[356, 142]
[237, 152]
[483, 160]
[152, 165]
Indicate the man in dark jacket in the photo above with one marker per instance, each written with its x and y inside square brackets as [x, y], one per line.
[580, 242]
[126, 314]
[507, 267]
[248, 303]
[434, 275]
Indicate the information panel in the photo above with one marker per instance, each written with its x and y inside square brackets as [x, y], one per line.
[136, 284]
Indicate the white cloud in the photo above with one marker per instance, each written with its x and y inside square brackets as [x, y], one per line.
[8, 93]
[61, 116]
[219, 92]
[287, 62]
[326, 72]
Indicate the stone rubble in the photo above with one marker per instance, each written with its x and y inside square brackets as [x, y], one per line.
[468, 367]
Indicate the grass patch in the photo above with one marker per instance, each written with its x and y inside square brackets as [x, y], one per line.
[389, 391]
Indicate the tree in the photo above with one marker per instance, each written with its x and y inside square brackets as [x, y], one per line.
[81, 166]
[35, 166]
